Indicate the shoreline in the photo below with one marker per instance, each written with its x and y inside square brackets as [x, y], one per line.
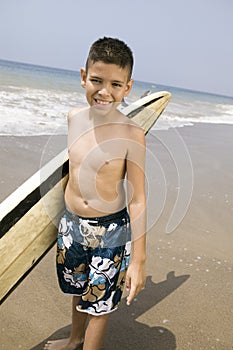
[187, 301]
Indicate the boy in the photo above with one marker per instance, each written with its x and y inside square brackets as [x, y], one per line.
[94, 239]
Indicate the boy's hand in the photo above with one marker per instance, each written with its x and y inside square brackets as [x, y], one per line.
[135, 280]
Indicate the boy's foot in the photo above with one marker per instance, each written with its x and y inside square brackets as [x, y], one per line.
[62, 344]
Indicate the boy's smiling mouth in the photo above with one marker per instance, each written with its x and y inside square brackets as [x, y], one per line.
[102, 102]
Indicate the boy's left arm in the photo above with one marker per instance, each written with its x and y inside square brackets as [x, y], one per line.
[136, 273]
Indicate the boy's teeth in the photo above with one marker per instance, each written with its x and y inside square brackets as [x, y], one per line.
[102, 102]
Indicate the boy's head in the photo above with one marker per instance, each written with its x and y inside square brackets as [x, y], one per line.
[111, 51]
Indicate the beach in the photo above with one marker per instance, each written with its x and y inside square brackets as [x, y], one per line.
[187, 303]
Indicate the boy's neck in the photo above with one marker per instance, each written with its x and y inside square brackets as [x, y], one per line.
[103, 116]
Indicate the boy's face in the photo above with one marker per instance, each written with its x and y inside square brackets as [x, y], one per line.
[106, 84]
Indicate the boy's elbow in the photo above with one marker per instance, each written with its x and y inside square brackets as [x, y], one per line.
[139, 204]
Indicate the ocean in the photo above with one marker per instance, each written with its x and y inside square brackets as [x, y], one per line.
[35, 100]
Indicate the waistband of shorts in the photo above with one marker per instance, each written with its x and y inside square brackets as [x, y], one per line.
[99, 219]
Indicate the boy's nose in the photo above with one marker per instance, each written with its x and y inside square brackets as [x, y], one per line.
[104, 91]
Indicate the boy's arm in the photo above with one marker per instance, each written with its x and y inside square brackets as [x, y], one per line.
[136, 274]
[75, 127]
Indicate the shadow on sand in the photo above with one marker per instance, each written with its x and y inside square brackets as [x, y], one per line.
[125, 332]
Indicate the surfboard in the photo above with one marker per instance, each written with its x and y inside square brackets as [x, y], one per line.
[30, 215]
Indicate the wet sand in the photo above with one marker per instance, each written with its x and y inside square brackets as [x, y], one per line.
[188, 300]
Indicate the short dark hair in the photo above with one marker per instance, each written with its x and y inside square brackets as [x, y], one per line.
[111, 50]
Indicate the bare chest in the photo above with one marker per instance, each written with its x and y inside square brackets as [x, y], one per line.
[98, 152]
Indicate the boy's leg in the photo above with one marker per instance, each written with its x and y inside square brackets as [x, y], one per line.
[95, 332]
[78, 322]
[77, 331]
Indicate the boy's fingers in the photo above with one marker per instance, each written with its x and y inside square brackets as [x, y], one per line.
[127, 283]
[131, 296]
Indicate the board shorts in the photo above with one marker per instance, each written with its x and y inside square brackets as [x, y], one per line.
[92, 259]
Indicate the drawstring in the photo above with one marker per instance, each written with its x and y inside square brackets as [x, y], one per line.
[85, 226]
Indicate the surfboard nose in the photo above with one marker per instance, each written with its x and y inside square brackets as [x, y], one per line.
[146, 110]
[162, 100]
[156, 101]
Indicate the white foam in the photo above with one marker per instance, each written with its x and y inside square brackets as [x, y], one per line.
[25, 111]
[189, 113]
[165, 122]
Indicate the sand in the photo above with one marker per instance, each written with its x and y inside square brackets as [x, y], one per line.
[188, 300]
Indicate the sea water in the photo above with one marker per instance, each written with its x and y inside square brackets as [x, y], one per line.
[35, 100]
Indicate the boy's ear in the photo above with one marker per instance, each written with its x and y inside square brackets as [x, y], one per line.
[83, 74]
[129, 87]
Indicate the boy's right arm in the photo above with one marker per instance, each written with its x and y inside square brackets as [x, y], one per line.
[74, 125]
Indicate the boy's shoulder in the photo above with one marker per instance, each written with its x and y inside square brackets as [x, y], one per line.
[134, 131]
[76, 111]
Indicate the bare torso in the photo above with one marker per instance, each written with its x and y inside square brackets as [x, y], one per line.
[97, 160]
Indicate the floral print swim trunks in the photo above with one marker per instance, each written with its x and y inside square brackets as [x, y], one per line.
[92, 259]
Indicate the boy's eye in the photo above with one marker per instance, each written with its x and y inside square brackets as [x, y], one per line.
[95, 80]
[117, 84]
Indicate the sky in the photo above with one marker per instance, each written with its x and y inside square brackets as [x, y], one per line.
[181, 43]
